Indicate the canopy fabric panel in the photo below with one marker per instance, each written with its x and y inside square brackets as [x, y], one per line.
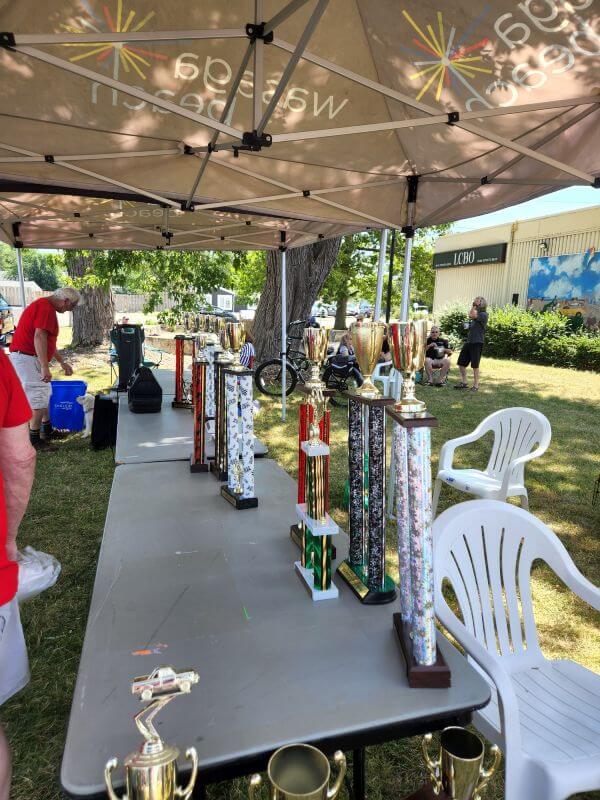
[319, 116]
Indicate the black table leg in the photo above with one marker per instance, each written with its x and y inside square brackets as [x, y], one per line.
[358, 774]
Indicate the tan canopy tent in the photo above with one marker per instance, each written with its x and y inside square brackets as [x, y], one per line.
[146, 123]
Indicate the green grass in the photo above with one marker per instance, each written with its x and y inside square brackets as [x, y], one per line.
[66, 518]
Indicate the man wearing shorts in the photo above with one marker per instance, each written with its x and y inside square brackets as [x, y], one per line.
[32, 349]
[17, 466]
[471, 350]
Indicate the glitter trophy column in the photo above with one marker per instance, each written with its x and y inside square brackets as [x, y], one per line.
[222, 361]
[239, 489]
[198, 461]
[315, 526]
[182, 393]
[364, 569]
[415, 624]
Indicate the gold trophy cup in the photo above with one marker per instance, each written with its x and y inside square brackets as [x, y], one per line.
[151, 772]
[367, 339]
[407, 345]
[315, 347]
[236, 336]
[301, 772]
[458, 771]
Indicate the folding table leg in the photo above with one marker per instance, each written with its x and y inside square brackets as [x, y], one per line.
[358, 774]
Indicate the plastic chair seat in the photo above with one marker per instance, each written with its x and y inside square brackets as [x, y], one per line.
[478, 483]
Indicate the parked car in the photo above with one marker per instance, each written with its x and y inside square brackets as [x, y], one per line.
[365, 308]
[7, 323]
[352, 309]
[319, 310]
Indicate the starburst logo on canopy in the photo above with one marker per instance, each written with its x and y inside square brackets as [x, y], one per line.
[451, 59]
[123, 54]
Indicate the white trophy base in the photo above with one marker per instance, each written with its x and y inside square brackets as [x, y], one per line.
[306, 575]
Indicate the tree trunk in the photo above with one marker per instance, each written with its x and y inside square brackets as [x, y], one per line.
[94, 315]
[307, 269]
[340, 314]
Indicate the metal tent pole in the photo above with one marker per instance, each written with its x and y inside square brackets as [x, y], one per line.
[409, 232]
[380, 266]
[388, 302]
[282, 250]
[21, 277]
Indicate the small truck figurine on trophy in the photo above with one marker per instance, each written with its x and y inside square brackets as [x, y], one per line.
[151, 772]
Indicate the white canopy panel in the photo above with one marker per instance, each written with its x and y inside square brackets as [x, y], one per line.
[317, 111]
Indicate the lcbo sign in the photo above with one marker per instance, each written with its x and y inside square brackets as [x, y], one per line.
[488, 254]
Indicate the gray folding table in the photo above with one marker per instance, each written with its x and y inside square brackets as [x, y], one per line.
[185, 576]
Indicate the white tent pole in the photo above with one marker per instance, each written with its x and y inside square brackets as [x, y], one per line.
[258, 73]
[102, 37]
[409, 232]
[380, 268]
[21, 276]
[285, 12]
[291, 65]
[282, 250]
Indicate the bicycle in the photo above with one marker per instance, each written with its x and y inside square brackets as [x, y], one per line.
[342, 378]
[268, 374]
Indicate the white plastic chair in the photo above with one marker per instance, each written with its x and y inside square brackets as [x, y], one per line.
[391, 382]
[520, 435]
[544, 715]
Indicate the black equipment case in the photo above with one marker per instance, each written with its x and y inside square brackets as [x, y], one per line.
[144, 395]
[104, 423]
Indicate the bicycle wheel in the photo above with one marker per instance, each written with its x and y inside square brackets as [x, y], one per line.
[268, 378]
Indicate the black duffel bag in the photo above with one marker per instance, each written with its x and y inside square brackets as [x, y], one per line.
[144, 395]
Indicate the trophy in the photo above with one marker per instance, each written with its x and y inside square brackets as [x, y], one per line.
[301, 772]
[367, 340]
[458, 772]
[182, 389]
[200, 367]
[151, 772]
[364, 569]
[315, 527]
[407, 345]
[221, 362]
[236, 336]
[238, 436]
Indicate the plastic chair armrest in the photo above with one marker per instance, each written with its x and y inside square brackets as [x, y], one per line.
[449, 448]
[507, 699]
[561, 563]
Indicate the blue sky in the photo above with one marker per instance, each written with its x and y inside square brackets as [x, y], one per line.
[555, 203]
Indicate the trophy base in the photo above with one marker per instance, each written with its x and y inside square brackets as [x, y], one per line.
[355, 578]
[236, 500]
[307, 577]
[421, 676]
[197, 466]
[427, 793]
[181, 404]
[220, 475]
[296, 537]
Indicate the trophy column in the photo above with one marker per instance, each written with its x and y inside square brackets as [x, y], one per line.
[364, 570]
[306, 417]
[239, 489]
[181, 395]
[219, 465]
[198, 462]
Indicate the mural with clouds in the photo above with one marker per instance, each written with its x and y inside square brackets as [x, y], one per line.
[569, 283]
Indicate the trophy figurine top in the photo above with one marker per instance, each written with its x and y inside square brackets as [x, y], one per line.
[236, 336]
[201, 343]
[367, 339]
[238, 471]
[407, 346]
[315, 348]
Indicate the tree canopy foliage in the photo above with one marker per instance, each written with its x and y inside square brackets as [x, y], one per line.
[46, 269]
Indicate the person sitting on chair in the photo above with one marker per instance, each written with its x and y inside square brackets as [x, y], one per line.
[343, 362]
[247, 353]
[437, 356]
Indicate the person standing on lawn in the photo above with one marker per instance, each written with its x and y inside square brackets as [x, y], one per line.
[17, 466]
[32, 349]
[471, 350]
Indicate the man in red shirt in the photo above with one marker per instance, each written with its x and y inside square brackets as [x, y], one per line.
[32, 349]
[17, 466]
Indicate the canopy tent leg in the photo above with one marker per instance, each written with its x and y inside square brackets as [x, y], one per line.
[388, 302]
[380, 266]
[409, 232]
[282, 250]
[21, 277]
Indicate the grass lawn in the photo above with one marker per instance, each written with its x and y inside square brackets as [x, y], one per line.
[66, 518]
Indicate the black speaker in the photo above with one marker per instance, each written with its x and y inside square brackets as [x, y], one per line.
[144, 395]
[104, 422]
[128, 340]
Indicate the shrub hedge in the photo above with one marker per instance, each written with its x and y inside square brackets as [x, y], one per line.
[539, 337]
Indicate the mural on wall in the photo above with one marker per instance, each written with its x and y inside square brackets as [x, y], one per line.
[569, 284]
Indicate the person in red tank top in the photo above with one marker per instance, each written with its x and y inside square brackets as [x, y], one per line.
[17, 465]
[32, 349]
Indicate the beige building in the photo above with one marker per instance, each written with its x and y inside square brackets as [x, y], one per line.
[496, 262]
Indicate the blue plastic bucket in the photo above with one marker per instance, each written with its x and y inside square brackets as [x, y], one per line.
[65, 412]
